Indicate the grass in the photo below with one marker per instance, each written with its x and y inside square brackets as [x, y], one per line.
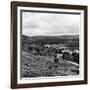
[44, 66]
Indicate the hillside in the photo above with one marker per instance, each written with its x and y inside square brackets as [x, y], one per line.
[49, 39]
[40, 66]
[71, 41]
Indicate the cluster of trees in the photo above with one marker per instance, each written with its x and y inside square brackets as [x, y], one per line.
[74, 57]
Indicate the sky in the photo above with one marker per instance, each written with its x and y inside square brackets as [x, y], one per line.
[38, 24]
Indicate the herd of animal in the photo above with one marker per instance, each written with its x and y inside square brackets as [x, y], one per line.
[57, 53]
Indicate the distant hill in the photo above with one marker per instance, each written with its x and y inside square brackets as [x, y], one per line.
[49, 39]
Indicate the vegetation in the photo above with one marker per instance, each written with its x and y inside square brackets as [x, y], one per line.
[38, 60]
[40, 66]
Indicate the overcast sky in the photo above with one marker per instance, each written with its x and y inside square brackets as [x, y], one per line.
[49, 24]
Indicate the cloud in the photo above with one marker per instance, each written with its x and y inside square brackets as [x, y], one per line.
[50, 24]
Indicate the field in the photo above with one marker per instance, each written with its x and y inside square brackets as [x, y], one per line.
[37, 66]
[71, 41]
[43, 65]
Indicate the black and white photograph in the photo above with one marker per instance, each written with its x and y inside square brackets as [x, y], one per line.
[50, 44]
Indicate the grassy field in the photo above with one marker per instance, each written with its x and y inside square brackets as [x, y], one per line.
[44, 66]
